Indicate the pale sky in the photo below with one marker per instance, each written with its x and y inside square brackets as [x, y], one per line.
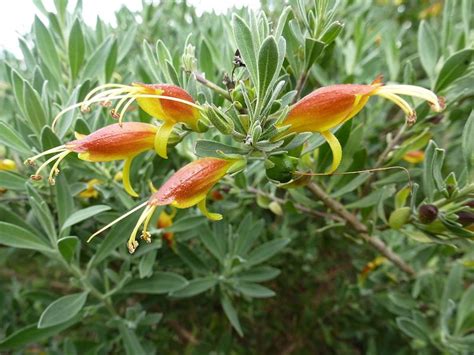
[16, 16]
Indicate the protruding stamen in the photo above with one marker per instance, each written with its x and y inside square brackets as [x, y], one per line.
[31, 161]
[42, 166]
[117, 220]
[54, 170]
[415, 91]
[132, 244]
[146, 236]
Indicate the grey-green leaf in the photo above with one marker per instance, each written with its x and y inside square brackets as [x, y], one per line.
[84, 214]
[17, 237]
[454, 67]
[62, 310]
[160, 283]
[76, 48]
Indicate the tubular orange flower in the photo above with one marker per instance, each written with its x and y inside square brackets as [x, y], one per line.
[168, 103]
[414, 156]
[328, 107]
[90, 191]
[113, 142]
[166, 220]
[185, 188]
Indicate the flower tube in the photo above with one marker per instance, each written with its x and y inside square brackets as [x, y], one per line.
[167, 103]
[113, 142]
[331, 106]
[187, 187]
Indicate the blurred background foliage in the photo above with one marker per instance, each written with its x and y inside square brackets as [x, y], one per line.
[283, 272]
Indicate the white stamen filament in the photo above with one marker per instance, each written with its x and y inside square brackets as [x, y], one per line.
[400, 102]
[415, 91]
[60, 148]
[101, 87]
[117, 220]
[53, 158]
[116, 97]
[125, 108]
[132, 243]
[54, 170]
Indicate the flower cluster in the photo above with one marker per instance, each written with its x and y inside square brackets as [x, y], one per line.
[320, 112]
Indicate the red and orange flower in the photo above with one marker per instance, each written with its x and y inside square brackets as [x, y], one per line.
[331, 106]
[113, 142]
[167, 103]
[187, 187]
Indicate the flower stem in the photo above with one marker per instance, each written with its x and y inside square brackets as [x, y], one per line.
[360, 228]
[202, 80]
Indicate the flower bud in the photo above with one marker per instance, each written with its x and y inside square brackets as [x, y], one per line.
[427, 213]
[399, 217]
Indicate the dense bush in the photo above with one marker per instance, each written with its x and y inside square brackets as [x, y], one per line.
[376, 258]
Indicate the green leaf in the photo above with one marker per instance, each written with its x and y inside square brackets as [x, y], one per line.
[267, 65]
[111, 61]
[453, 286]
[63, 198]
[231, 314]
[160, 283]
[351, 185]
[186, 223]
[254, 290]
[76, 48]
[247, 233]
[245, 44]
[195, 287]
[465, 308]
[31, 334]
[410, 328]
[67, 246]
[12, 181]
[209, 239]
[33, 107]
[266, 251]
[193, 260]
[145, 267]
[259, 274]
[17, 237]
[468, 145]
[428, 48]
[10, 138]
[131, 343]
[116, 237]
[62, 310]
[47, 48]
[84, 214]
[95, 65]
[454, 67]
[313, 49]
[43, 215]
[208, 148]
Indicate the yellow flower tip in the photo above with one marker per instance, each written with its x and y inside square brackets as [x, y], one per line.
[414, 156]
[336, 150]
[7, 164]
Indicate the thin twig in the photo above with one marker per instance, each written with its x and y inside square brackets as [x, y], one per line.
[360, 228]
[300, 85]
[201, 79]
[298, 206]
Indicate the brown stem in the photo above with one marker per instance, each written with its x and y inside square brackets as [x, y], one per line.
[300, 85]
[298, 206]
[360, 228]
[201, 79]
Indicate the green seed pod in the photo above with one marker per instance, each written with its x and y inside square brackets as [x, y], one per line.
[399, 217]
[280, 168]
[275, 208]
